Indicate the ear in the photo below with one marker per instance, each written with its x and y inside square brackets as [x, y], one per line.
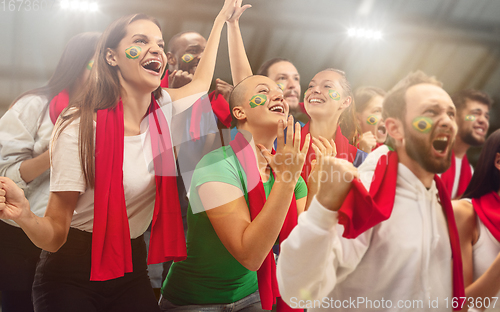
[171, 60]
[395, 129]
[497, 161]
[239, 113]
[347, 102]
[111, 57]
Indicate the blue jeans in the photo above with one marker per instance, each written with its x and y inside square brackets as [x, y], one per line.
[250, 303]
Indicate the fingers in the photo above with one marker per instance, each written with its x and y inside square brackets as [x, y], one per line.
[334, 148]
[307, 142]
[296, 143]
[280, 140]
[289, 131]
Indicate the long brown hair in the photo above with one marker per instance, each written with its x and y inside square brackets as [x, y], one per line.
[101, 92]
[486, 177]
[74, 60]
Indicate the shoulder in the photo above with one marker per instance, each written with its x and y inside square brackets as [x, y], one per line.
[465, 217]
[30, 101]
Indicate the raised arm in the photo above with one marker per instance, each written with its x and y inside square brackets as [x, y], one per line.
[205, 71]
[240, 67]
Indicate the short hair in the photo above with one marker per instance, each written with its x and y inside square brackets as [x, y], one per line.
[235, 99]
[173, 40]
[394, 103]
[264, 68]
[363, 95]
[460, 98]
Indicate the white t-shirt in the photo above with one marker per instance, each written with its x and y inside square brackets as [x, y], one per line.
[138, 175]
[25, 134]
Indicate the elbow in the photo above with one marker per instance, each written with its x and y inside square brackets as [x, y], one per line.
[55, 245]
[252, 263]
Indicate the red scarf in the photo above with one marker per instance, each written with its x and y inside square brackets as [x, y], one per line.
[448, 177]
[219, 106]
[111, 249]
[362, 210]
[344, 149]
[487, 210]
[266, 275]
[58, 104]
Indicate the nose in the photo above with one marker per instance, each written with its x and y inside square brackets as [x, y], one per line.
[278, 97]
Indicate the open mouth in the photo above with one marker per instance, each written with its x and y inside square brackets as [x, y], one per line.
[315, 101]
[278, 108]
[153, 65]
[440, 144]
[381, 129]
[480, 130]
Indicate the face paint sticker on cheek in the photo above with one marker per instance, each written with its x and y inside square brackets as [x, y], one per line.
[133, 52]
[470, 118]
[282, 86]
[187, 58]
[334, 95]
[372, 120]
[256, 100]
[422, 124]
[90, 64]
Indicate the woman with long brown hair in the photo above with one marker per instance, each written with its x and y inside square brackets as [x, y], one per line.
[25, 130]
[478, 223]
[105, 191]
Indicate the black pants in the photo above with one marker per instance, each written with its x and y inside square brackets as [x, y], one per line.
[18, 258]
[62, 281]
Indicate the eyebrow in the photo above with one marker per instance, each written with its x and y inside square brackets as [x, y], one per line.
[146, 37]
[262, 84]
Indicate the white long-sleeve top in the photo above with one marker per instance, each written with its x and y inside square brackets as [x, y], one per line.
[402, 264]
[25, 134]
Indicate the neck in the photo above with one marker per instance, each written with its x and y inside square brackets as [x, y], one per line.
[324, 128]
[460, 147]
[424, 176]
[135, 106]
[258, 137]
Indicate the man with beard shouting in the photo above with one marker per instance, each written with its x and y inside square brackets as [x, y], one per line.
[400, 249]
[473, 115]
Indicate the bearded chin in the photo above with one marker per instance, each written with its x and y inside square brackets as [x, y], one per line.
[471, 140]
[422, 154]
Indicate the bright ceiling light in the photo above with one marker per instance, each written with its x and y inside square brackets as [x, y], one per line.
[364, 33]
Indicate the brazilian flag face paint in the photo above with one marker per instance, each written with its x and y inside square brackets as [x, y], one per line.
[470, 118]
[334, 95]
[282, 86]
[256, 100]
[186, 58]
[372, 120]
[133, 52]
[90, 64]
[422, 124]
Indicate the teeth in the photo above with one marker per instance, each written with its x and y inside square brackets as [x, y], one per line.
[158, 63]
[441, 139]
[277, 109]
[314, 101]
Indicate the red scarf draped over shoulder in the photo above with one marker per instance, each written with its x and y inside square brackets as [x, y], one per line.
[111, 248]
[344, 149]
[266, 275]
[448, 177]
[362, 210]
[487, 208]
[58, 104]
